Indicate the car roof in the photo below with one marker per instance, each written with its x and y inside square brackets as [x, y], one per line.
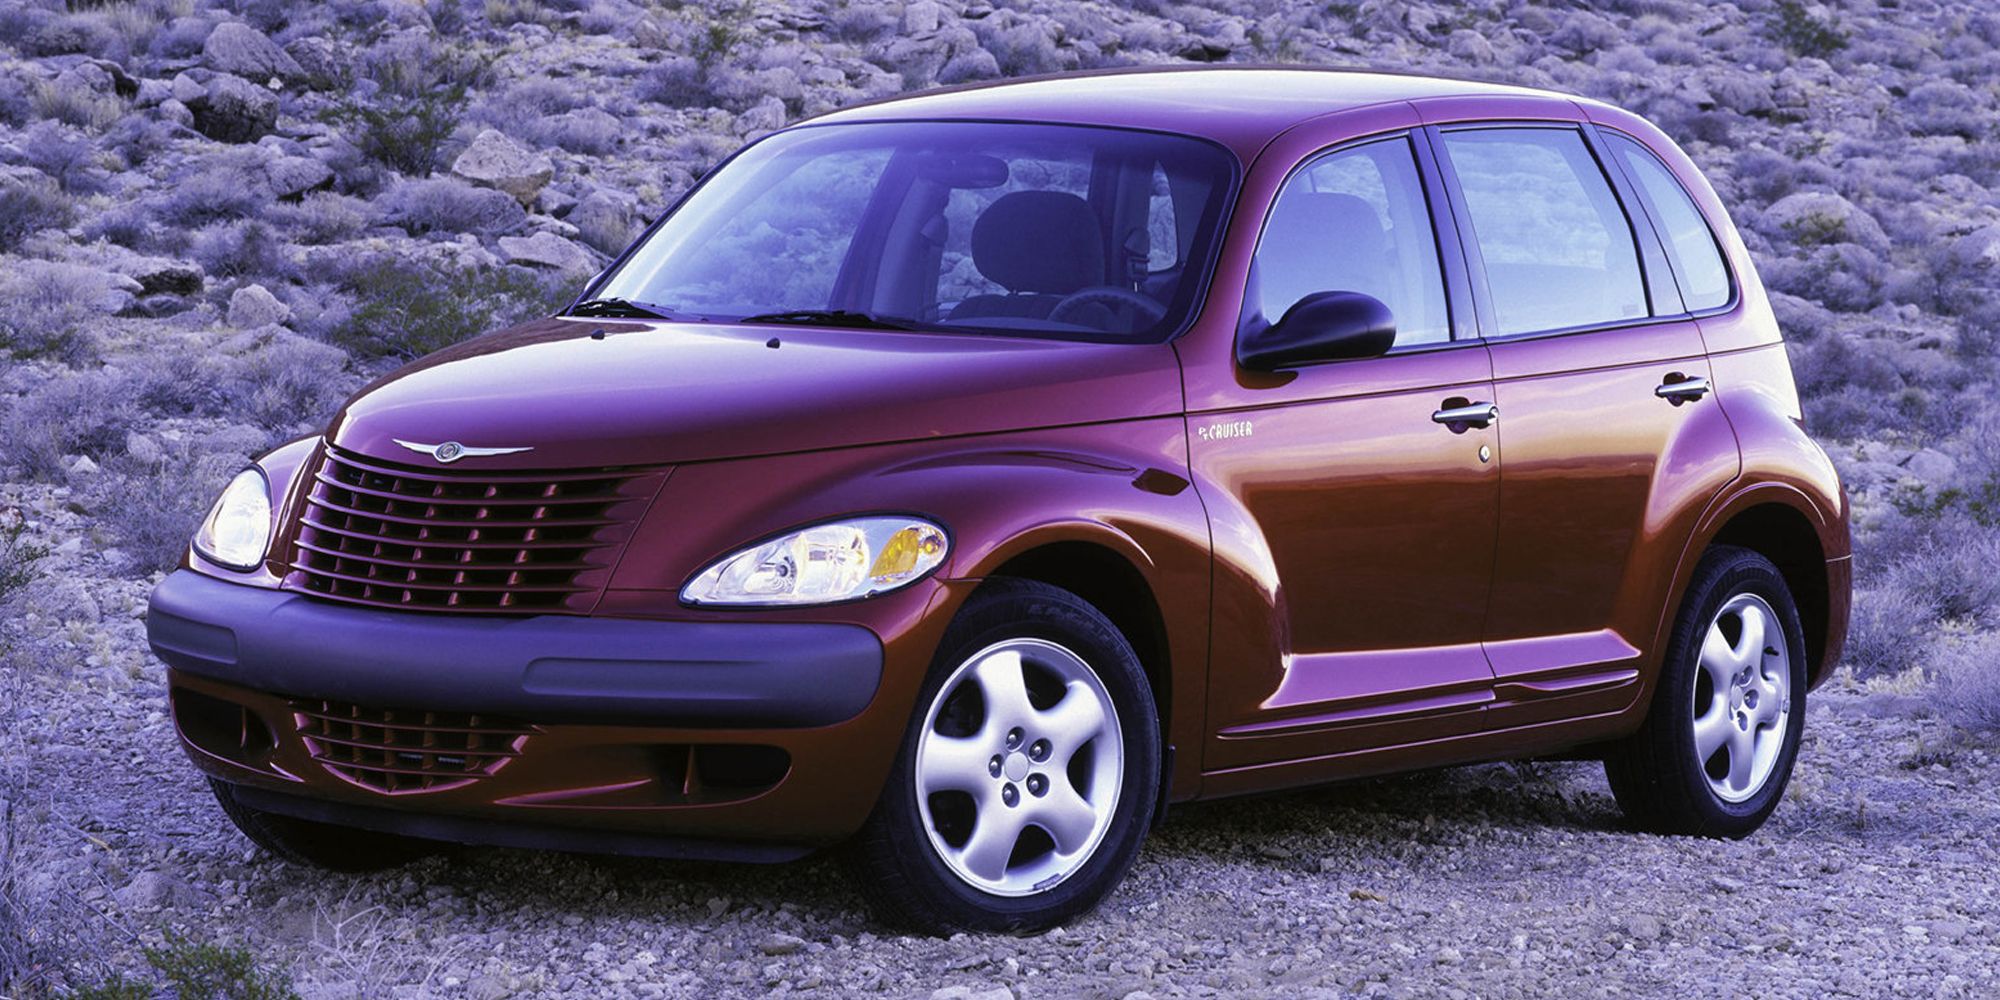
[1241, 107]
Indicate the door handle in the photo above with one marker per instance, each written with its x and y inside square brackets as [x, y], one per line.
[1457, 412]
[1678, 388]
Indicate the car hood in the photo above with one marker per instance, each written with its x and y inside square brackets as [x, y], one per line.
[662, 393]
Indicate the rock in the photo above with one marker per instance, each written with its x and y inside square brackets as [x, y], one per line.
[143, 449]
[969, 993]
[922, 17]
[254, 306]
[174, 111]
[1931, 466]
[1643, 927]
[495, 161]
[83, 466]
[604, 221]
[1470, 46]
[548, 250]
[319, 58]
[232, 109]
[149, 890]
[1819, 217]
[293, 176]
[781, 944]
[489, 988]
[768, 115]
[235, 47]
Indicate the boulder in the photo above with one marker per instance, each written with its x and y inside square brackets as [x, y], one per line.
[232, 109]
[254, 306]
[292, 176]
[235, 47]
[495, 161]
[1821, 217]
[549, 250]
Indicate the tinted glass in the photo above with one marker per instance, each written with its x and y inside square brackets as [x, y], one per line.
[1697, 261]
[1044, 230]
[1558, 250]
[1355, 221]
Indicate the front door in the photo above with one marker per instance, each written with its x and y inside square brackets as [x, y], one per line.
[1367, 490]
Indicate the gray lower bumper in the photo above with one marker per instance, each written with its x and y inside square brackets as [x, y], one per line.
[547, 668]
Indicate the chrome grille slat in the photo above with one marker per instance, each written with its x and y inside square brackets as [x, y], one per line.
[383, 535]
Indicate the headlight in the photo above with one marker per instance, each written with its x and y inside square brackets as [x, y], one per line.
[823, 564]
[238, 529]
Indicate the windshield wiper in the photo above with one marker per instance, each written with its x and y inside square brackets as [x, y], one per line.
[619, 307]
[831, 317]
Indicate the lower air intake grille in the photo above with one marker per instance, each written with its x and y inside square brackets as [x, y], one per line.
[398, 751]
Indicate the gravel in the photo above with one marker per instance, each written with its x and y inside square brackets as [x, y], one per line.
[1875, 878]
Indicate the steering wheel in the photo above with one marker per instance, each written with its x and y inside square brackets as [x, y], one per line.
[1148, 308]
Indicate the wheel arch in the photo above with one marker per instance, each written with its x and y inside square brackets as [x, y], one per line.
[1785, 527]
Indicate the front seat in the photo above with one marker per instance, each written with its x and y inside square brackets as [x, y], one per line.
[1038, 245]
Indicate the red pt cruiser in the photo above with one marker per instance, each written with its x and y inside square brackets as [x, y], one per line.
[966, 477]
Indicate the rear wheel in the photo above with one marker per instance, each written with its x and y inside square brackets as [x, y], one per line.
[1027, 780]
[320, 845]
[1718, 745]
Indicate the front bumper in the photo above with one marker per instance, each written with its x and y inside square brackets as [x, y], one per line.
[548, 667]
[587, 733]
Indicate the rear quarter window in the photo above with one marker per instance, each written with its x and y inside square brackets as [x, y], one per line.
[1704, 280]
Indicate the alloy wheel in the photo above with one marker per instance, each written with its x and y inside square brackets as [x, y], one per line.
[1019, 766]
[1742, 697]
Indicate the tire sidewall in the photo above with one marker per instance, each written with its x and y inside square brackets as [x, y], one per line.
[1744, 573]
[1055, 616]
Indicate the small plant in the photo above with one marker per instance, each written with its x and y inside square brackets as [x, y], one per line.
[1980, 502]
[207, 971]
[1805, 35]
[29, 206]
[407, 310]
[20, 561]
[407, 134]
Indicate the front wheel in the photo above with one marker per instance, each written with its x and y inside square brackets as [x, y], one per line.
[1027, 780]
[1718, 745]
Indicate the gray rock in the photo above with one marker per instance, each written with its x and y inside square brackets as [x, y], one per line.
[235, 47]
[292, 176]
[254, 306]
[781, 944]
[922, 17]
[83, 466]
[495, 161]
[549, 250]
[232, 109]
[1824, 217]
[150, 890]
[604, 221]
[321, 60]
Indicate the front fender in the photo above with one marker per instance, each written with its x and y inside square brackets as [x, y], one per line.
[1120, 487]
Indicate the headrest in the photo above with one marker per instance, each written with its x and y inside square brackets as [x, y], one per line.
[1039, 241]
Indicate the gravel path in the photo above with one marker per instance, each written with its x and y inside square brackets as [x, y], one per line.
[1875, 878]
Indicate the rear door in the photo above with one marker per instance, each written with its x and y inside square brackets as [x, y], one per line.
[1612, 441]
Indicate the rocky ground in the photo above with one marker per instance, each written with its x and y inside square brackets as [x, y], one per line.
[218, 217]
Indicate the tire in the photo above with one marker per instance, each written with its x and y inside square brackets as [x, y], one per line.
[320, 845]
[938, 860]
[1719, 771]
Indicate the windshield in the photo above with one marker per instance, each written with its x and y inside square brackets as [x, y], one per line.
[1044, 230]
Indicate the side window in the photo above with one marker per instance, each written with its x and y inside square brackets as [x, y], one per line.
[1697, 261]
[1558, 250]
[1355, 221]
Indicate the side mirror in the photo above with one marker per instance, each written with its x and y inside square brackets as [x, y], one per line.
[1323, 326]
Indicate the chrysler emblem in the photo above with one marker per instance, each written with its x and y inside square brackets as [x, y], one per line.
[452, 451]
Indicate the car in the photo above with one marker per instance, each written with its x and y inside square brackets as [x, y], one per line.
[961, 480]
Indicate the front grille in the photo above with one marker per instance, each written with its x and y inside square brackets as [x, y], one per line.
[394, 536]
[404, 751]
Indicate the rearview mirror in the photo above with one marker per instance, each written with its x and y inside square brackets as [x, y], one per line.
[1323, 326]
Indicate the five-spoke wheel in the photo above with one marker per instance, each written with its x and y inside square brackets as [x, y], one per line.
[1027, 781]
[1723, 731]
[1018, 766]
